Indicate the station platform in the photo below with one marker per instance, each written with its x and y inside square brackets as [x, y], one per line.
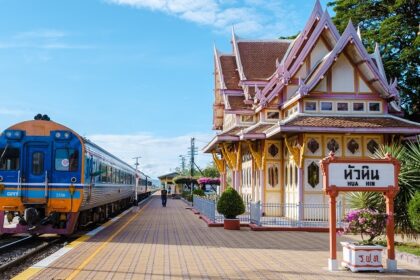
[152, 242]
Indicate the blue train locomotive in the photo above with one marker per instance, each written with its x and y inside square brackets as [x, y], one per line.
[52, 180]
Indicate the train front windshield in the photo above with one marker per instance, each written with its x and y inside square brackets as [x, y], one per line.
[9, 159]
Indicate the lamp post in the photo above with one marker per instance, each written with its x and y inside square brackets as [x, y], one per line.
[137, 179]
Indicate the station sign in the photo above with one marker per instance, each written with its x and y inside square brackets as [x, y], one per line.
[343, 174]
[378, 175]
[359, 175]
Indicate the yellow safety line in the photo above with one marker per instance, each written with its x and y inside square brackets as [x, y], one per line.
[89, 259]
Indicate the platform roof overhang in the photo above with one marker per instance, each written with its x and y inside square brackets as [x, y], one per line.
[219, 139]
[386, 124]
[168, 176]
[252, 136]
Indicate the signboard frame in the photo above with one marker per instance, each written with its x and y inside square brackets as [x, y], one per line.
[389, 192]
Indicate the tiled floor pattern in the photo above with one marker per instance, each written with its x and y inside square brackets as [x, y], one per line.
[172, 243]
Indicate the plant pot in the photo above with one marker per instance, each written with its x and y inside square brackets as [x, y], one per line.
[362, 257]
[232, 224]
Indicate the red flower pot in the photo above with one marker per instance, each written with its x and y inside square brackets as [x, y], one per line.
[232, 224]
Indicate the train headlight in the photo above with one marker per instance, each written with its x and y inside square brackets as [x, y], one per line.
[14, 134]
[61, 135]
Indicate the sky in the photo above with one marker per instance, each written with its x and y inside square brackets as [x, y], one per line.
[134, 76]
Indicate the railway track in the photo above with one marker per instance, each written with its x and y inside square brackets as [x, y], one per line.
[20, 252]
[7, 243]
[16, 252]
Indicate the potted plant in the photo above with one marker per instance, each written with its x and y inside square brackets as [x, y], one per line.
[230, 205]
[364, 255]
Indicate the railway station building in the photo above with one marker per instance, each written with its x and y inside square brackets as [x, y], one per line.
[167, 181]
[280, 106]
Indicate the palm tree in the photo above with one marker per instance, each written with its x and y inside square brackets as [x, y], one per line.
[408, 181]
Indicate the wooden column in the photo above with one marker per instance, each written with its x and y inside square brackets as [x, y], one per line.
[390, 196]
[221, 167]
[332, 261]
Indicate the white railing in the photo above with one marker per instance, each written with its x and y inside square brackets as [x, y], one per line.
[206, 207]
[294, 214]
[275, 214]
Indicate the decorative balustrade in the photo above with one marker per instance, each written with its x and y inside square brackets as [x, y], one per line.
[275, 214]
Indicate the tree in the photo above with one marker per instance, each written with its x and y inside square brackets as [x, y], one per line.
[290, 37]
[184, 172]
[211, 171]
[414, 211]
[393, 24]
[408, 181]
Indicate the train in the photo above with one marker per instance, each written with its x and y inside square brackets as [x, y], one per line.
[52, 180]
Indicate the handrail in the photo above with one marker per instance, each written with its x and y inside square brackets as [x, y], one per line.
[46, 184]
[19, 184]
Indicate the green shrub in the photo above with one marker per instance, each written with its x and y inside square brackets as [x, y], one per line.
[414, 211]
[187, 196]
[199, 192]
[230, 204]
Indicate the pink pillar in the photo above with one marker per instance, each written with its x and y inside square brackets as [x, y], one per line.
[300, 192]
[222, 182]
[233, 180]
[332, 261]
[262, 185]
[238, 180]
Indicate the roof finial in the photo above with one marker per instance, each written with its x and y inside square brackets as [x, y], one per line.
[377, 48]
[318, 6]
[216, 52]
[233, 32]
[327, 14]
[303, 88]
[359, 33]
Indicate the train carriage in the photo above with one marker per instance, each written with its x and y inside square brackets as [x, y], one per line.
[52, 180]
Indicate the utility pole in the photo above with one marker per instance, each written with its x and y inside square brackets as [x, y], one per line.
[192, 151]
[182, 162]
[137, 179]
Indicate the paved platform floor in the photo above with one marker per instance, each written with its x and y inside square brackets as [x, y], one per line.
[172, 243]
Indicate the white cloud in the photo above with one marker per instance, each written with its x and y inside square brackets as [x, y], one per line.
[159, 155]
[259, 18]
[45, 39]
[43, 33]
[12, 112]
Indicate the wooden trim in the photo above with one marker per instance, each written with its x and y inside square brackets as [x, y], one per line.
[356, 80]
[329, 81]
[360, 74]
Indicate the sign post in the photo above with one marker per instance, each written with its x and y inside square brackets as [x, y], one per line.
[350, 175]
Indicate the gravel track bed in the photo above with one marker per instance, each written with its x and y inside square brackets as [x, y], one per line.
[10, 273]
[18, 251]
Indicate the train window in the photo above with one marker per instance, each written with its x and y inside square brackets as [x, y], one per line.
[9, 159]
[103, 172]
[37, 163]
[109, 174]
[66, 160]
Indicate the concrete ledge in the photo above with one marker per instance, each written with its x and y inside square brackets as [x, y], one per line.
[308, 229]
[408, 258]
[209, 222]
[195, 211]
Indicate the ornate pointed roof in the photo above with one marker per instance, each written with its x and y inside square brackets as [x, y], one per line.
[264, 75]
[258, 58]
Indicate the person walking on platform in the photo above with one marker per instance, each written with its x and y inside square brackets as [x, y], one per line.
[164, 196]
